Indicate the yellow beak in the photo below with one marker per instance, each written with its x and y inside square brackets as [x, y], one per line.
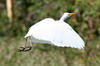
[72, 13]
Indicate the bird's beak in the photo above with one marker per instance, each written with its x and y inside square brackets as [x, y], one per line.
[72, 13]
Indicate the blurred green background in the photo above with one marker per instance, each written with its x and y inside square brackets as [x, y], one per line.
[27, 12]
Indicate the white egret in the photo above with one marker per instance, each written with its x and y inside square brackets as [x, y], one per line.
[55, 32]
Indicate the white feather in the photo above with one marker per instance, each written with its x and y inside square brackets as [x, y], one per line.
[57, 33]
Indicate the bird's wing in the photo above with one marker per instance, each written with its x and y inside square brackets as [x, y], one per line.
[42, 30]
[67, 37]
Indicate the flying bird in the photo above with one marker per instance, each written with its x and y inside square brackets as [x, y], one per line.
[54, 32]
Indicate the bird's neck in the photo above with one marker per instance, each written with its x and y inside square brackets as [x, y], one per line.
[63, 17]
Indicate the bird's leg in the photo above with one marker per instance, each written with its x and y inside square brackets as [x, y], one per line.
[26, 48]
[22, 49]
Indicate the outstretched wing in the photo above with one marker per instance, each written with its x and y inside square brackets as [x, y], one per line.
[42, 32]
[39, 27]
[66, 36]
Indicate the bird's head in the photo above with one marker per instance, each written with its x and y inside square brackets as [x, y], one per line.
[69, 14]
[66, 15]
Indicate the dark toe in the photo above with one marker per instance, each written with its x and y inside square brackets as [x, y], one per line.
[21, 49]
[28, 48]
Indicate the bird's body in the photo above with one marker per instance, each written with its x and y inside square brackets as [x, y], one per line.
[57, 33]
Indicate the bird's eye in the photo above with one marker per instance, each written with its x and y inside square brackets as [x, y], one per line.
[68, 14]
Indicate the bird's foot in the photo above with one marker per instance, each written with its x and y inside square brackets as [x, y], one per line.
[24, 49]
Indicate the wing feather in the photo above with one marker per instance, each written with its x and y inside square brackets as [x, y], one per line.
[42, 32]
[68, 37]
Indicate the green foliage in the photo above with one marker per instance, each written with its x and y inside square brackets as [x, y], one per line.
[47, 55]
[28, 12]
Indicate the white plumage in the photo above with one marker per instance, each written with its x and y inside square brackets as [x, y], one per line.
[57, 33]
